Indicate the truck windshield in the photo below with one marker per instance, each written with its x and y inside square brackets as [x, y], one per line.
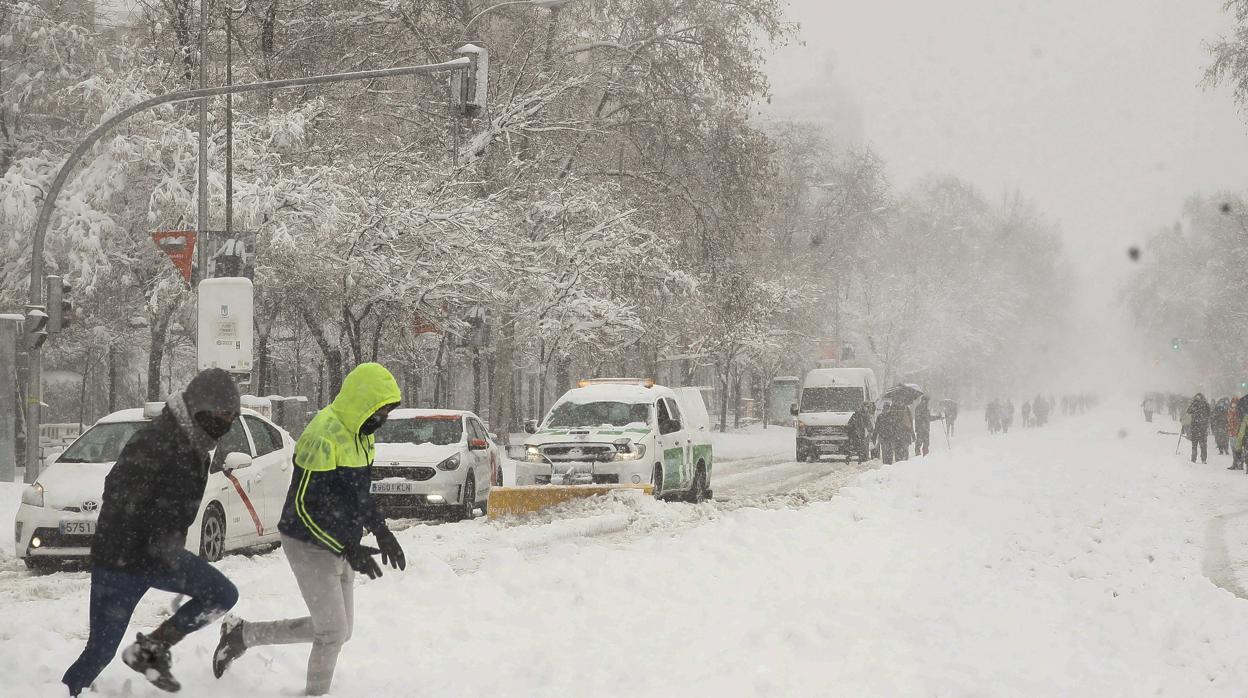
[831, 399]
[593, 414]
[439, 431]
[101, 444]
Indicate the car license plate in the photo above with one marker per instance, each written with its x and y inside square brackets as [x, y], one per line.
[393, 488]
[77, 528]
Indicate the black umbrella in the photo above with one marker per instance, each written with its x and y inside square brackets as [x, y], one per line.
[904, 393]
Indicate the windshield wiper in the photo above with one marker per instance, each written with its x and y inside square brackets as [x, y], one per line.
[71, 460]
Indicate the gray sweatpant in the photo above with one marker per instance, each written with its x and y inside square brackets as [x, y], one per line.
[325, 581]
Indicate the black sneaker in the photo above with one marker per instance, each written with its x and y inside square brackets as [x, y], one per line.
[231, 646]
[151, 658]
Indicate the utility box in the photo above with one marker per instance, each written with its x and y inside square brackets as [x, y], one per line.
[226, 324]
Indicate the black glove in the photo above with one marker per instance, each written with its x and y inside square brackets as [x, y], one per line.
[360, 557]
[391, 551]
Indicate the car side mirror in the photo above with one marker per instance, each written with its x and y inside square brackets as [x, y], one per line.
[530, 426]
[478, 444]
[235, 460]
[793, 409]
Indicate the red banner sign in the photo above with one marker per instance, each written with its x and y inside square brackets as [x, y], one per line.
[180, 246]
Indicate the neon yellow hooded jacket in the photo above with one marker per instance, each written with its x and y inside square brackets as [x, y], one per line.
[329, 502]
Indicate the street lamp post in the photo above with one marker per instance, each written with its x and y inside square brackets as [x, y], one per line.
[474, 67]
[544, 4]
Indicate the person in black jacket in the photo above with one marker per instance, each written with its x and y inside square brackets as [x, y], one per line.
[1198, 427]
[859, 429]
[1220, 415]
[151, 496]
[328, 507]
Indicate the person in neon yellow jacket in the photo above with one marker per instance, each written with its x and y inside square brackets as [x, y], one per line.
[328, 507]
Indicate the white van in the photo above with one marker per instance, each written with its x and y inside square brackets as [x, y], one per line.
[625, 431]
[828, 398]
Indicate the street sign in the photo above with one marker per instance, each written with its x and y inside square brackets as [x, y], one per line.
[224, 336]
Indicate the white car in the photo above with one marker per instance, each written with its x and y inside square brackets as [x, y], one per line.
[434, 462]
[625, 431]
[247, 483]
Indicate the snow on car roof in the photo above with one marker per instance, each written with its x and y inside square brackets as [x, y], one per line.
[614, 392]
[413, 413]
[135, 414]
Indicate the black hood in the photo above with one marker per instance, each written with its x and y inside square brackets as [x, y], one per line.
[212, 390]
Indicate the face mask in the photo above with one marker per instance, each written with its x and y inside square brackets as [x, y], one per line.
[372, 424]
[213, 426]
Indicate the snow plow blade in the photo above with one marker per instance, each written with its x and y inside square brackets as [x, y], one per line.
[513, 501]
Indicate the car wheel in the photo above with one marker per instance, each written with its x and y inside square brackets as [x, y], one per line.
[212, 534]
[656, 479]
[467, 508]
[41, 565]
[697, 494]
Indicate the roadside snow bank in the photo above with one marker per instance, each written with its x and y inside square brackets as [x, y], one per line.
[1047, 562]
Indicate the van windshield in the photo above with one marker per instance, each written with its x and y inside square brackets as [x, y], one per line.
[101, 444]
[831, 399]
[593, 414]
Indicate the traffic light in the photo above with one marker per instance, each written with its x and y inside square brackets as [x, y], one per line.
[1176, 344]
[60, 307]
[35, 327]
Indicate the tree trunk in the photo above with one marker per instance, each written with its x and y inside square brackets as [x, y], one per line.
[723, 397]
[262, 364]
[156, 354]
[502, 381]
[112, 378]
[476, 381]
[82, 390]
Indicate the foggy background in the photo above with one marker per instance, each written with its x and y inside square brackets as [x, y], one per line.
[1094, 111]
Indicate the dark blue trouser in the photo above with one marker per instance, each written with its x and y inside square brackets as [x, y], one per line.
[114, 594]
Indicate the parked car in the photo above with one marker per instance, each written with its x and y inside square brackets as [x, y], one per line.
[625, 431]
[247, 482]
[434, 462]
[829, 398]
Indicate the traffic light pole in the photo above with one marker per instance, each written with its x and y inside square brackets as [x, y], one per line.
[473, 69]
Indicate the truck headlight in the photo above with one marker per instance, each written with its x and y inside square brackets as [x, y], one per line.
[634, 452]
[450, 463]
[33, 495]
[533, 454]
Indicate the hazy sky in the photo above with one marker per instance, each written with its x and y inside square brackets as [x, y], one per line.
[1091, 109]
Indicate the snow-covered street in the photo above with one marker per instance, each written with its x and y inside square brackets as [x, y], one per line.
[1070, 560]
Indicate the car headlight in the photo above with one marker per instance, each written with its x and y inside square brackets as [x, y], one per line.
[33, 495]
[533, 454]
[634, 452]
[450, 463]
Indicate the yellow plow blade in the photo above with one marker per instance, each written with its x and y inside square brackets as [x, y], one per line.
[511, 501]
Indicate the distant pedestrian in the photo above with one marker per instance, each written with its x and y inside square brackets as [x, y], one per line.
[1221, 437]
[992, 415]
[1235, 427]
[950, 410]
[923, 427]
[1007, 416]
[1040, 410]
[895, 431]
[859, 428]
[1148, 407]
[1198, 414]
[1026, 413]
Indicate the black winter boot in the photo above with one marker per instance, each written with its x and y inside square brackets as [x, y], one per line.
[231, 646]
[151, 658]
